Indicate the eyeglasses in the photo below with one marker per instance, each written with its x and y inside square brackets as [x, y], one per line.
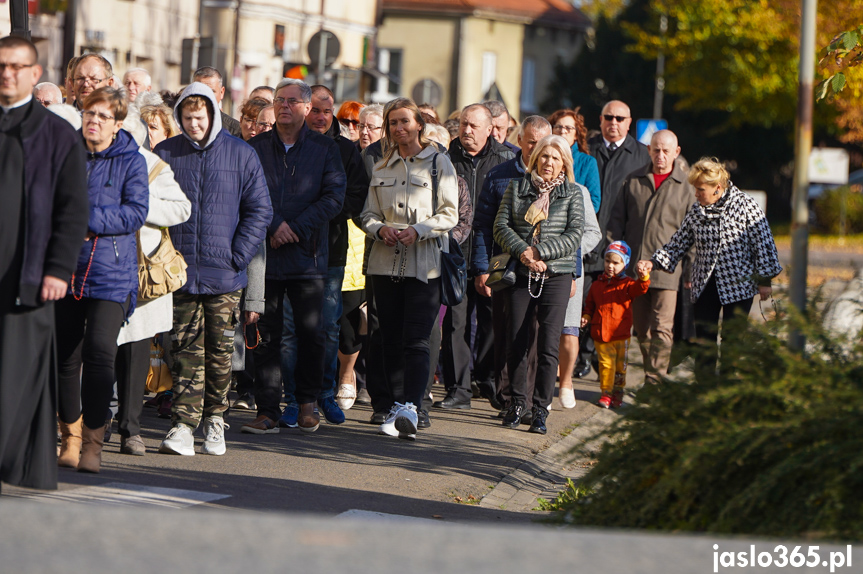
[564, 129]
[87, 79]
[289, 101]
[609, 118]
[264, 126]
[14, 67]
[92, 116]
[369, 127]
[354, 123]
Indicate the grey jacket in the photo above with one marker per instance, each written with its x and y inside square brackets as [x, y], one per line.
[560, 234]
[646, 218]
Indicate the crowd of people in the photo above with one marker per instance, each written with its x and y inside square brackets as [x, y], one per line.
[295, 253]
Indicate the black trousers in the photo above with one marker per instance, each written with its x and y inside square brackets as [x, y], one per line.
[455, 350]
[131, 367]
[407, 311]
[307, 298]
[549, 310]
[350, 340]
[501, 371]
[87, 334]
[483, 340]
[379, 389]
[707, 308]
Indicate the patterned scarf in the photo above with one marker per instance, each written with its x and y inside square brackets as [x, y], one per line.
[715, 211]
[538, 211]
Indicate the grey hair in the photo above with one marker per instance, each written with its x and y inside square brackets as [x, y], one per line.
[496, 108]
[145, 99]
[372, 110]
[49, 86]
[148, 79]
[534, 122]
[305, 90]
[208, 72]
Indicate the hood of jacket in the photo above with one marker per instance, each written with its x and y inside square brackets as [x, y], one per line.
[199, 89]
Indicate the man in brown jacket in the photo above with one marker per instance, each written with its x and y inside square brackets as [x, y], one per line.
[648, 211]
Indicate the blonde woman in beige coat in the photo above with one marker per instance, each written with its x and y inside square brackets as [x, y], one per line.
[409, 229]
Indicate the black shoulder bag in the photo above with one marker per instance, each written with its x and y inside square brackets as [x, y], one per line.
[453, 272]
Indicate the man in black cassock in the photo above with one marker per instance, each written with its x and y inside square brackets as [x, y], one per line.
[43, 220]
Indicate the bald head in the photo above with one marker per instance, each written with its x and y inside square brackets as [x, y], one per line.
[47, 93]
[615, 120]
[474, 128]
[663, 150]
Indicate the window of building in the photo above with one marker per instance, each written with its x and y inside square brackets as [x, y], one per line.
[489, 71]
[528, 85]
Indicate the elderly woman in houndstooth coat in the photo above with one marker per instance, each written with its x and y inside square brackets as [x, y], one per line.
[735, 255]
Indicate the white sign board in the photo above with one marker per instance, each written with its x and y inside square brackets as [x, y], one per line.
[828, 165]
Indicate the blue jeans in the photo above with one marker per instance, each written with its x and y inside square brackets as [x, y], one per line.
[330, 315]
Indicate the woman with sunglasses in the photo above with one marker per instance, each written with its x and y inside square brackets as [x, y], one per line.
[104, 287]
[349, 118]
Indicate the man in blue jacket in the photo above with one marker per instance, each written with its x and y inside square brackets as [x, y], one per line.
[307, 185]
[222, 177]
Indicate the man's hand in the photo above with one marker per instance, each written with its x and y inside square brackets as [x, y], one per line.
[408, 236]
[53, 289]
[765, 292]
[479, 284]
[389, 235]
[284, 234]
[251, 318]
[572, 289]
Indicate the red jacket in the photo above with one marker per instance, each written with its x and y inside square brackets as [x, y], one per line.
[609, 306]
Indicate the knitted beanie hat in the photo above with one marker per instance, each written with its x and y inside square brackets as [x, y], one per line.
[622, 249]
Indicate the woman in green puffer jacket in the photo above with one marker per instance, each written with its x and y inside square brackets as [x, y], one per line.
[540, 223]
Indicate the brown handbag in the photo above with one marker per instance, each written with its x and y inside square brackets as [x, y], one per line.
[165, 270]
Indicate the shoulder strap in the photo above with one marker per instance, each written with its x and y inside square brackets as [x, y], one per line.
[157, 169]
[434, 175]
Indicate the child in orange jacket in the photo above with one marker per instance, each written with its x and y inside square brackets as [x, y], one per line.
[609, 311]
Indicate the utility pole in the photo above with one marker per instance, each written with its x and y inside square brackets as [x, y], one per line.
[69, 30]
[20, 17]
[802, 150]
[660, 71]
[196, 45]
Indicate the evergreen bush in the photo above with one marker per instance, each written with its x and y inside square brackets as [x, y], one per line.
[828, 209]
[773, 447]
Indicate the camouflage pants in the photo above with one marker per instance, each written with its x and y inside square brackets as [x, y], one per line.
[202, 342]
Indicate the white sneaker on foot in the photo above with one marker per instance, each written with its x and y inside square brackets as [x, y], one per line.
[389, 426]
[179, 441]
[406, 421]
[214, 436]
[567, 397]
[346, 396]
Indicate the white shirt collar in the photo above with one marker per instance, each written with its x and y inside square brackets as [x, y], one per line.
[619, 142]
[23, 102]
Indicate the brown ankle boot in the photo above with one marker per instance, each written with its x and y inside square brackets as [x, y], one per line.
[70, 444]
[91, 450]
[309, 420]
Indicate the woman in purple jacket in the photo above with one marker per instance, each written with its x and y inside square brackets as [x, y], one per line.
[104, 286]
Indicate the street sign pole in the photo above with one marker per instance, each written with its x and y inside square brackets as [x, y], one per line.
[803, 147]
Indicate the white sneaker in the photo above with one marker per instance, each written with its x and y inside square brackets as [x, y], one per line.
[567, 398]
[214, 436]
[389, 426]
[346, 396]
[179, 441]
[406, 421]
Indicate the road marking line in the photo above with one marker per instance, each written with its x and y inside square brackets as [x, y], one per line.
[123, 494]
[371, 515]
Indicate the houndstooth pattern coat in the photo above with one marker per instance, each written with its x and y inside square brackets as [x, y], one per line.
[732, 240]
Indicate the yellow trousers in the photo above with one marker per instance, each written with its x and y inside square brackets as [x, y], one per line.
[612, 364]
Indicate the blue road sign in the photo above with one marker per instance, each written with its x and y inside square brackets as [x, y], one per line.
[644, 129]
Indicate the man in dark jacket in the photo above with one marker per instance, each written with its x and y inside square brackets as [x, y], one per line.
[474, 153]
[212, 78]
[43, 191]
[617, 154]
[222, 177]
[649, 209]
[320, 119]
[533, 129]
[307, 184]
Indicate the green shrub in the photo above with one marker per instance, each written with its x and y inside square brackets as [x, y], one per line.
[773, 448]
[828, 208]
